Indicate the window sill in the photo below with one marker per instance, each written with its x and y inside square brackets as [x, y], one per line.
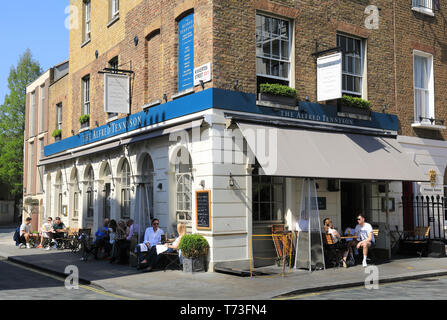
[86, 42]
[182, 93]
[429, 126]
[84, 129]
[112, 119]
[151, 104]
[425, 11]
[113, 20]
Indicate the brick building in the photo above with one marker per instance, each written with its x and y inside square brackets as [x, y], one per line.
[181, 136]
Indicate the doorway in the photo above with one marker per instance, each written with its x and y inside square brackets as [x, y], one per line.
[355, 199]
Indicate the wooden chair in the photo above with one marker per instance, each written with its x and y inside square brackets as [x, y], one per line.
[416, 240]
[67, 241]
[282, 249]
[332, 254]
[372, 249]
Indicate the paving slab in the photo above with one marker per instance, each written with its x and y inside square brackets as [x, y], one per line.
[170, 284]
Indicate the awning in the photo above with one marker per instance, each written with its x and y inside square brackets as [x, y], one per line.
[291, 152]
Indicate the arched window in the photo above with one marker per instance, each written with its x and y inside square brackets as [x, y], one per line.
[183, 178]
[58, 186]
[90, 179]
[125, 190]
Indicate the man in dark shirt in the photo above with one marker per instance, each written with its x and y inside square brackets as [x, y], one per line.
[58, 230]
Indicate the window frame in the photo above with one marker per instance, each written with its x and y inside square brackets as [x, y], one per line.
[125, 199]
[115, 9]
[418, 6]
[362, 57]
[42, 109]
[430, 88]
[32, 114]
[257, 179]
[87, 19]
[290, 48]
[86, 95]
[59, 116]
[90, 194]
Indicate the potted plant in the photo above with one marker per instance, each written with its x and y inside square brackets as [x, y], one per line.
[194, 248]
[354, 107]
[277, 94]
[84, 120]
[57, 134]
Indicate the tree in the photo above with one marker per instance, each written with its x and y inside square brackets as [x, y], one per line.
[12, 123]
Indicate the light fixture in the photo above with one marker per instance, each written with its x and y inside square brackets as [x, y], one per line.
[165, 97]
[202, 84]
[202, 183]
[96, 123]
[96, 54]
[132, 188]
[135, 40]
[236, 84]
[72, 132]
[307, 98]
[231, 181]
[160, 186]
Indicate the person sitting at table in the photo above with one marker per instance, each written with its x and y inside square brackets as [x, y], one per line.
[329, 228]
[365, 236]
[181, 229]
[25, 233]
[101, 237]
[120, 244]
[148, 248]
[57, 232]
[46, 228]
[113, 226]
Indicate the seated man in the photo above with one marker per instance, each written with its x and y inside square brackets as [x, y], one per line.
[365, 236]
[102, 238]
[25, 234]
[57, 232]
[148, 249]
[46, 228]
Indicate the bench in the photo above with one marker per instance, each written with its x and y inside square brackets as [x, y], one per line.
[416, 240]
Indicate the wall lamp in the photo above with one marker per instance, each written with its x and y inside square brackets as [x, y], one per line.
[165, 97]
[231, 181]
[96, 54]
[135, 40]
[160, 186]
[72, 132]
[202, 84]
[236, 85]
[96, 123]
[202, 184]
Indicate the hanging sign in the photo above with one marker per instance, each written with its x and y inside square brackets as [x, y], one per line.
[203, 209]
[116, 93]
[329, 76]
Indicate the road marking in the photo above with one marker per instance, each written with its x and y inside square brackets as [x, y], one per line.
[59, 278]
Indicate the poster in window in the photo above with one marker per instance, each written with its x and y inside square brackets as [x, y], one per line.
[329, 76]
[203, 210]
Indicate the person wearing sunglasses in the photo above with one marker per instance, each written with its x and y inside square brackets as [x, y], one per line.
[147, 251]
[365, 236]
[46, 228]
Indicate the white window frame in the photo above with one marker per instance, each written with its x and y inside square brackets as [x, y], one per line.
[362, 74]
[183, 192]
[86, 95]
[90, 194]
[42, 109]
[75, 204]
[59, 116]
[32, 114]
[115, 8]
[87, 21]
[430, 90]
[30, 167]
[423, 6]
[125, 190]
[290, 49]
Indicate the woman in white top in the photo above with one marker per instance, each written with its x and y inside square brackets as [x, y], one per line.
[181, 229]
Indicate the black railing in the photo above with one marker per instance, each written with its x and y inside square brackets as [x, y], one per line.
[430, 211]
[433, 121]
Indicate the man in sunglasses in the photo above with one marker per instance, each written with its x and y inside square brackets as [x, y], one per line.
[148, 248]
[365, 236]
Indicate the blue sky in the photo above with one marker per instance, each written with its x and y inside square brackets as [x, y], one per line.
[37, 25]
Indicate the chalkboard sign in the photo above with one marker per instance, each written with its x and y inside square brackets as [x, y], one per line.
[203, 210]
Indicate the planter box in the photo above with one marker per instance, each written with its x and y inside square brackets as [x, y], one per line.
[353, 112]
[85, 125]
[276, 101]
[192, 265]
[58, 138]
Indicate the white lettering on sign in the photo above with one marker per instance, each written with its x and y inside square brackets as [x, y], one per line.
[202, 73]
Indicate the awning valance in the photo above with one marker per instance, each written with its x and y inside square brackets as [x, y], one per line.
[291, 152]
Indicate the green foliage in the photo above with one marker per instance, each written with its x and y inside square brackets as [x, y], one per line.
[57, 133]
[84, 118]
[193, 246]
[278, 90]
[355, 102]
[12, 123]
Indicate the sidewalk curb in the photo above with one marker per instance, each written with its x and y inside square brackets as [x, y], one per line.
[427, 274]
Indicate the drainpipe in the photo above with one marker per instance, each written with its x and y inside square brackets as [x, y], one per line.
[387, 226]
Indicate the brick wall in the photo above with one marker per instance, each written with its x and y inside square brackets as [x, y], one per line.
[58, 93]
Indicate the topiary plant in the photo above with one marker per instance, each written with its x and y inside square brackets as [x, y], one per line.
[84, 118]
[193, 246]
[354, 102]
[57, 133]
[278, 90]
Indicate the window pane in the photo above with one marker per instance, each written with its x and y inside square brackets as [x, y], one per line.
[284, 69]
[263, 66]
[275, 48]
[255, 212]
[284, 50]
[275, 68]
[357, 84]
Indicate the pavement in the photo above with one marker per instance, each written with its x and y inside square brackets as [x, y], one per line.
[177, 285]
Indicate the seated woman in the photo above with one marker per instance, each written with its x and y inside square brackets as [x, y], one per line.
[120, 244]
[153, 258]
[329, 229]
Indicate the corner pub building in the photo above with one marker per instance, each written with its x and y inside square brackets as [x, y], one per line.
[177, 129]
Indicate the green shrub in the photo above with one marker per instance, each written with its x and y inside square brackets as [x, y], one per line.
[354, 102]
[193, 246]
[84, 118]
[278, 90]
[57, 133]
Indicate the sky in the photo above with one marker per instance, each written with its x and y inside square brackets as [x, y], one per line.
[37, 25]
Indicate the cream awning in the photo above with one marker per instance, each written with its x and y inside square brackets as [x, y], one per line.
[292, 152]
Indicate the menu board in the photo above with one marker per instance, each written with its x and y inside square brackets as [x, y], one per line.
[203, 209]
[186, 53]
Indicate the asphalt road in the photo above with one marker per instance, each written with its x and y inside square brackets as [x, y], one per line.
[422, 289]
[21, 283]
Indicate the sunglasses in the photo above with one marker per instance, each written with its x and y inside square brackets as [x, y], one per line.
[359, 219]
[155, 224]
